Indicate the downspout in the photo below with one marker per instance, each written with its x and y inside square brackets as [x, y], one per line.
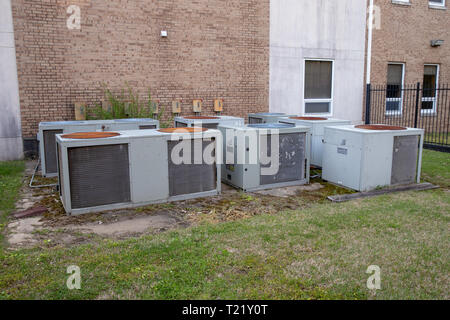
[369, 42]
[369, 63]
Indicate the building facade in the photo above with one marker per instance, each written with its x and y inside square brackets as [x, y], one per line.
[213, 50]
[295, 56]
[401, 45]
[10, 126]
[317, 51]
[410, 66]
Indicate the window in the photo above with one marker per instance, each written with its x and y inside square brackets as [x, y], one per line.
[318, 87]
[430, 83]
[437, 3]
[394, 88]
[400, 2]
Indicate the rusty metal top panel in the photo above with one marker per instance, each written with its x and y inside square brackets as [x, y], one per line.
[380, 127]
[201, 118]
[90, 135]
[183, 130]
[309, 118]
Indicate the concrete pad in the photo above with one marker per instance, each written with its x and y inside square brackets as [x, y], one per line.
[290, 191]
[21, 231]
[137, 225]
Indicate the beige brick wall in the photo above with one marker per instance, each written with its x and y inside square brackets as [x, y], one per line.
[405, 35]
[215, 49]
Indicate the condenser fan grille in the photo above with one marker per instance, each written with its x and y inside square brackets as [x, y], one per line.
[291, 158]
[191, 178]
[99, 175]
[50, 150]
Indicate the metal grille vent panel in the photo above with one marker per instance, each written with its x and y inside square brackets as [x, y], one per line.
[50, 150]
[210, 125]
[291, 159]
[99, 175]
[60, 176]
[180, 125]
[146, 127]
[404, 159]
[252, 120]
[191, 178]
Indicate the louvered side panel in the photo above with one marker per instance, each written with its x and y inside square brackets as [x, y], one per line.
[60, 175]
[252, 120]
[404, 159]
[180, 124]
[146, 127]
[50, 150]
[191, 178]
[99, 175]
[291, 159]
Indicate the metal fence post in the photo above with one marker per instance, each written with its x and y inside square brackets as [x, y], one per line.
[368, 94]
[416, 115]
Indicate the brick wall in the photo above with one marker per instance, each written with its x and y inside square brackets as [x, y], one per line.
[214, 49]
[405, 35]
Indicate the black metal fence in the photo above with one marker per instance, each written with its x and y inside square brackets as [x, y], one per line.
[412, 106]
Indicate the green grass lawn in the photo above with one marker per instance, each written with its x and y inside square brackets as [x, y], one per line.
[321, 252]
[11, 174]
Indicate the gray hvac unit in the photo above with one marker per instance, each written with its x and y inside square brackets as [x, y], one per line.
[211, 122]
[136, 168]
[367, 157]
[266, 117]
[48, 130]
[317, 125]
[247, 150]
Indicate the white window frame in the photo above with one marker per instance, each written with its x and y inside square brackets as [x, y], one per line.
[400, 1]
[434, 99]
[330, 101]
[434, 4]
[399, 112]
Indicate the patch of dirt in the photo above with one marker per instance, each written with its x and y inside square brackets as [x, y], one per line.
[129, 227]
[55, 228]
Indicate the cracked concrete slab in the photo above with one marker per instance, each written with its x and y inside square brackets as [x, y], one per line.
[131, 226]
[290, 191]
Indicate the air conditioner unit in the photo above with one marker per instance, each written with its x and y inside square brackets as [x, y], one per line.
[48, 130]
[370, 156]
[110, 170]
[211, 122]
[317, 125]
[266, 117]
[246, 149]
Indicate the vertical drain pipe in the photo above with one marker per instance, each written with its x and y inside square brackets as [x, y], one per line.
[369, 42]
[369, 62]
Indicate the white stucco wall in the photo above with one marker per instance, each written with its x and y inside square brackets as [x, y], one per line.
[11, 146]
[325, 29]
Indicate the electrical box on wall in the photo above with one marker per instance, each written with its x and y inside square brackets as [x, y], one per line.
[176, 106]
[197, 105]
[80, 111]
[218, 105]
[107, 106]
[155, 106]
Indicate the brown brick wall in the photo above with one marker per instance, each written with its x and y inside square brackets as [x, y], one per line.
[215, 49]
[405, 35]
